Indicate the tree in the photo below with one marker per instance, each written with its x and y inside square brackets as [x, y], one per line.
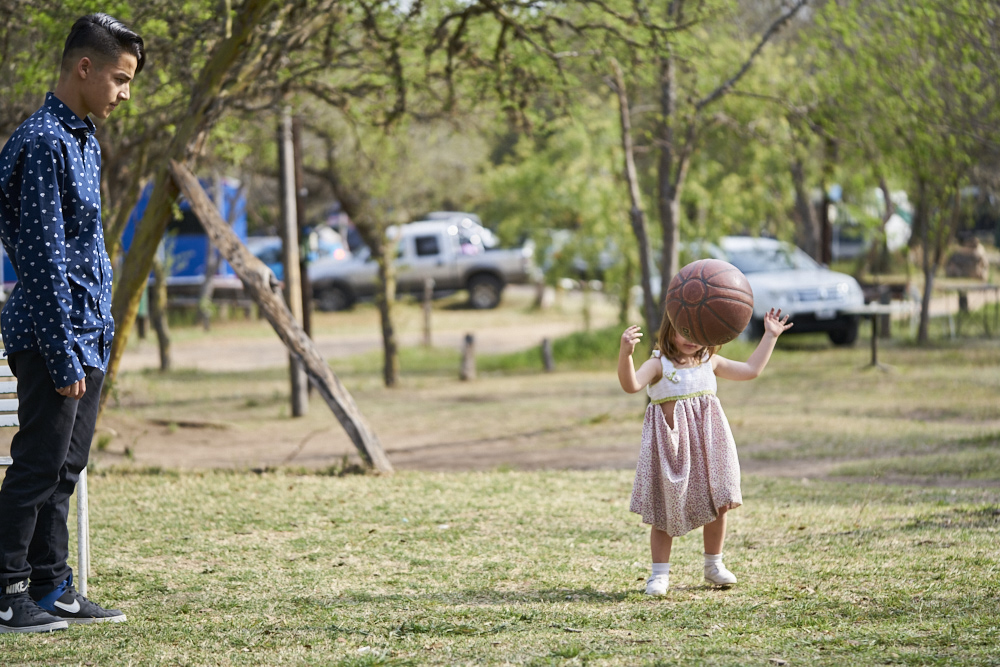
[672, 52]
[561, 190]
[249, 53]
[925, 76]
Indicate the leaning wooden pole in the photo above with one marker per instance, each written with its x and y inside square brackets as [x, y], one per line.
[263, 288]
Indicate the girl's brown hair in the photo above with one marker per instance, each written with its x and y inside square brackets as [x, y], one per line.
[665, 343]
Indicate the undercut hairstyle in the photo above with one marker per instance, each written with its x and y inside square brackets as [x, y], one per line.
[105, 37]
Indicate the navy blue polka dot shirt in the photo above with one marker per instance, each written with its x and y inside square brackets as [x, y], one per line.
[50, 226]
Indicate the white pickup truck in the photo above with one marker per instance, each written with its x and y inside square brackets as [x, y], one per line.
[429, 249]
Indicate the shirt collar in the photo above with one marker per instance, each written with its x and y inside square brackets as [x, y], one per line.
[74, 123]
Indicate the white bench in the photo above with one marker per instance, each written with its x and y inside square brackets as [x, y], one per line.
[8, 419]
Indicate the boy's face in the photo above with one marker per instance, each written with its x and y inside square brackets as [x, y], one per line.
[106, 83]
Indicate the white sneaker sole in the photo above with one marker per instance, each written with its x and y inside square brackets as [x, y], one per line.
[721, 584]
[104, 619]
[47, 627]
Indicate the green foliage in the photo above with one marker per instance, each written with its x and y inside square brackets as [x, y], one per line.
[916, 87]
[565, 180]
[922, 101]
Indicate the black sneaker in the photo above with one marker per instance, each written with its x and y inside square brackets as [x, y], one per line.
[19, 613]
[72, 607]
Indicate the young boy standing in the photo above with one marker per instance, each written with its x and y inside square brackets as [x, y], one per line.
[57, 325]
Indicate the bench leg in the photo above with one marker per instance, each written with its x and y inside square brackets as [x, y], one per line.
[82, 534]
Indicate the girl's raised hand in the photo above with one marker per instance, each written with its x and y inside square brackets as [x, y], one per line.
[775, 324]
[631, 338]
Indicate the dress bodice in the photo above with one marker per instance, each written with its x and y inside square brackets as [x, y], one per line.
[680, 383]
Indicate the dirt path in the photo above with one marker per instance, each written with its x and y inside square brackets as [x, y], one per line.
[235, 354]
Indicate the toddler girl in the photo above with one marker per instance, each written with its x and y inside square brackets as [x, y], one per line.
[688, 473]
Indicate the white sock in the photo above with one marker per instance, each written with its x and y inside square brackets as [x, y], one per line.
[661, 568]
[712, 559]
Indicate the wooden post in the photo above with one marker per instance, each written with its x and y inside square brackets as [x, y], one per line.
[428, 295]
[262, 287]
[290, 257]
[875, 340]
[547, 360]
[468, 371]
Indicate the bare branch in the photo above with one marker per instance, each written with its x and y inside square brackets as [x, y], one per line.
[778, 24]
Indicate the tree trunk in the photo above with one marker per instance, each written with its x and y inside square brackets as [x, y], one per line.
[636, 214]
[921, 225]
[670, 213]
[666, 192]
[625, 294]
[208, 288]
[123, 205]
[809, 231]
[372, 231]
[263, 288]
[149, 231]
[386, 298]
[825, 225]
[158, 312]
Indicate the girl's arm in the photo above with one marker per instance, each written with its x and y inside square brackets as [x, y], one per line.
[630, 379]
[774, 326]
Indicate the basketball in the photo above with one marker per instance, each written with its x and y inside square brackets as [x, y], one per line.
[709, 302]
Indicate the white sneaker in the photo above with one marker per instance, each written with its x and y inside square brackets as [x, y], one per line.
[658, 584]
[718, 574]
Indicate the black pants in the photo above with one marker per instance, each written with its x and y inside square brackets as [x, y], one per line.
[49, 451]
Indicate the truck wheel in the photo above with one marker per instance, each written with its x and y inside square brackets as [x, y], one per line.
[484, 292]
[846, 335]
[333, 298]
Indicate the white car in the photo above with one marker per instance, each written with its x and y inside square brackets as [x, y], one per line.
[784, 276]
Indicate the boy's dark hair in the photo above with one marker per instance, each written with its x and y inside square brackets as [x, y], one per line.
[104, 36]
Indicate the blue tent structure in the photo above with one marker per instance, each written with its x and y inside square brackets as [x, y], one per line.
[185, 240]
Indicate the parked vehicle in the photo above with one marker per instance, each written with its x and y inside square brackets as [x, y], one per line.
[426, 249]
[322, 242]
[784, 276]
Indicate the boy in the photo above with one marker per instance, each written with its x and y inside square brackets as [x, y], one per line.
[57, 325]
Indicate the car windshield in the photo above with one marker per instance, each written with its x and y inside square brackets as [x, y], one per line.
[783, 258]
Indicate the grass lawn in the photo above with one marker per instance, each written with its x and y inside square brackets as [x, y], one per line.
[510, 566]
[536, 568]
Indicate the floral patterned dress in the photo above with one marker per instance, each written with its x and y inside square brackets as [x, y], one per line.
[688, 473]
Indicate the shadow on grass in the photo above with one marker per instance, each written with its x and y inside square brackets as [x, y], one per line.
[479, 597]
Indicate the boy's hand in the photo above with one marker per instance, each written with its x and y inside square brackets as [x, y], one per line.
[631, 338]
[75, 390]
[776, 325]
